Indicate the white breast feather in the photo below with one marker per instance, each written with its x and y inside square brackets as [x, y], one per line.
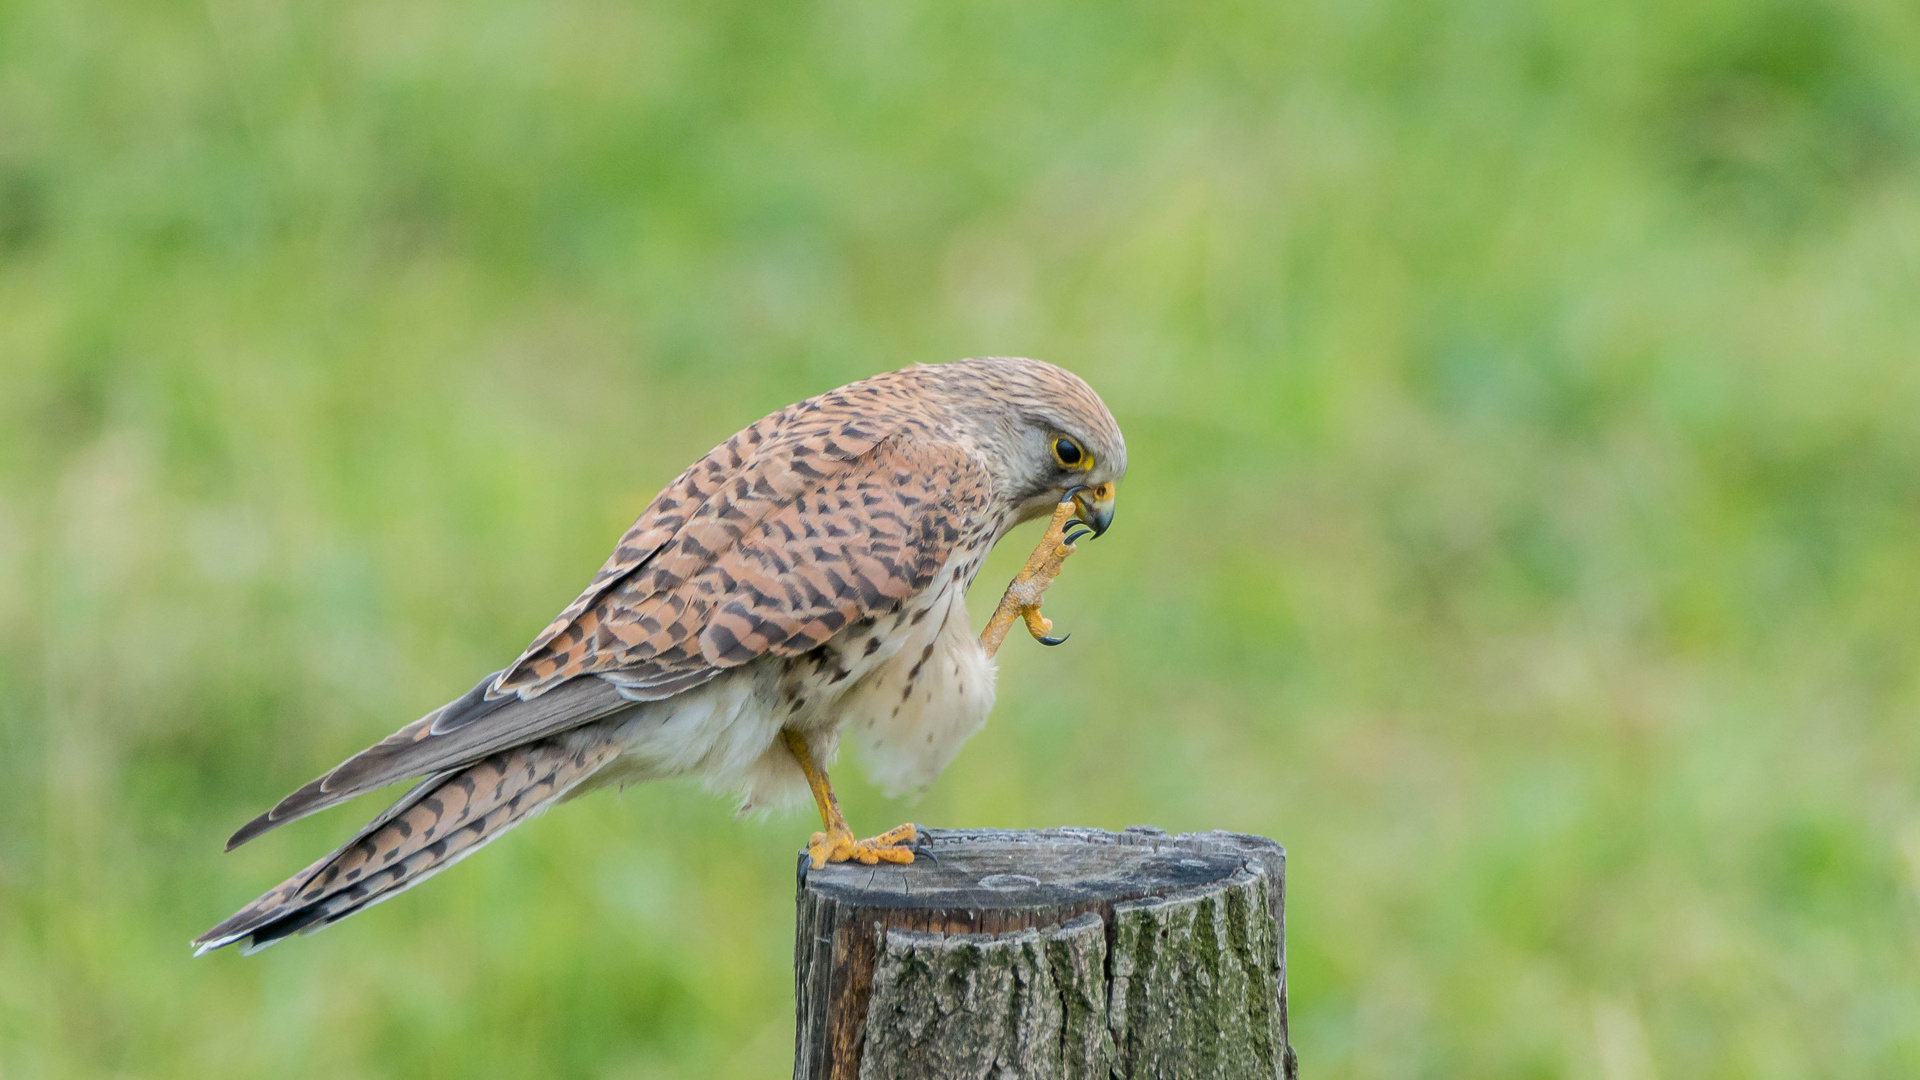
[910, 717]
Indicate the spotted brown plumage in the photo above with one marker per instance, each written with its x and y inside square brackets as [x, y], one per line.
[804, 580]
[817, 540]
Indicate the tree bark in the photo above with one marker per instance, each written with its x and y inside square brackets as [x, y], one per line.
[1075, 954]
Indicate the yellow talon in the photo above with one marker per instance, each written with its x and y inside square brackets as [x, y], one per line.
[838, 845]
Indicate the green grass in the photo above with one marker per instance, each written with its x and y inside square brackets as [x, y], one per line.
[1524, 524]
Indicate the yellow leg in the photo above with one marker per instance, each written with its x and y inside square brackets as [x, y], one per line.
[837, 844]
[1022, 599]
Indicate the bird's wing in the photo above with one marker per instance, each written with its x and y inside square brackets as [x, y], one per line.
[764, 466]
[783, 553]
[431, 744]
[779, 554]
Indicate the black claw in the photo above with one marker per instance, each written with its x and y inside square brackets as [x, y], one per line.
[922, 846]
[1061, 640]
[1072, 537]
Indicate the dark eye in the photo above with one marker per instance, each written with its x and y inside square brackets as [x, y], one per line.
[1068, 453]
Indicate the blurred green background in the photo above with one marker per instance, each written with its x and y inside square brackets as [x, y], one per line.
[1523, 525]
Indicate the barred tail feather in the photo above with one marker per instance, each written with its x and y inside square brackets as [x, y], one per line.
[446, 818]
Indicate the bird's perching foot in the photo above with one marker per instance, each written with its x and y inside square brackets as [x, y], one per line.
[837, 844]
[1022, 598]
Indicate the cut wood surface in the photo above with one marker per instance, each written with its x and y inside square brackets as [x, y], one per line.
[1070, 953]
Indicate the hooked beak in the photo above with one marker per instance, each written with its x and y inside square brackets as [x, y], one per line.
[1094, 506]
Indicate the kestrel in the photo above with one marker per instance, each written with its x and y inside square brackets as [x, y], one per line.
[804, 581]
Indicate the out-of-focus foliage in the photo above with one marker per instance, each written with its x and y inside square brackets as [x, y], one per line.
[1524, 525]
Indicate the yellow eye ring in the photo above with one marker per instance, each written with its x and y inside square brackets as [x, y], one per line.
[1070, 454]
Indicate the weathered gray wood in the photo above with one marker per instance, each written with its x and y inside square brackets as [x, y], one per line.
[1060, 953]
[987, 1005]
[1190, 989]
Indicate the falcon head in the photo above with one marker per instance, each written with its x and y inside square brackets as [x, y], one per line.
[1047, 436]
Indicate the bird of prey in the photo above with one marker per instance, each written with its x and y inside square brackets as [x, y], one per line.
[804, 581]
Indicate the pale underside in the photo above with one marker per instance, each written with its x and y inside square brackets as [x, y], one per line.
[907, 689]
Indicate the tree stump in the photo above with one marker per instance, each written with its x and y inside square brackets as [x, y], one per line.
[1057, 953]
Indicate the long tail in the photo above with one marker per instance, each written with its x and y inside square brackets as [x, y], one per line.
[449, 816]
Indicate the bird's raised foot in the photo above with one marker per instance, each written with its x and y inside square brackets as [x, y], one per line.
[1043, 566]
[838, 845]
[1022, 599]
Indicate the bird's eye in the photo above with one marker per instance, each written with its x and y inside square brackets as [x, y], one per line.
[1068, 453]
